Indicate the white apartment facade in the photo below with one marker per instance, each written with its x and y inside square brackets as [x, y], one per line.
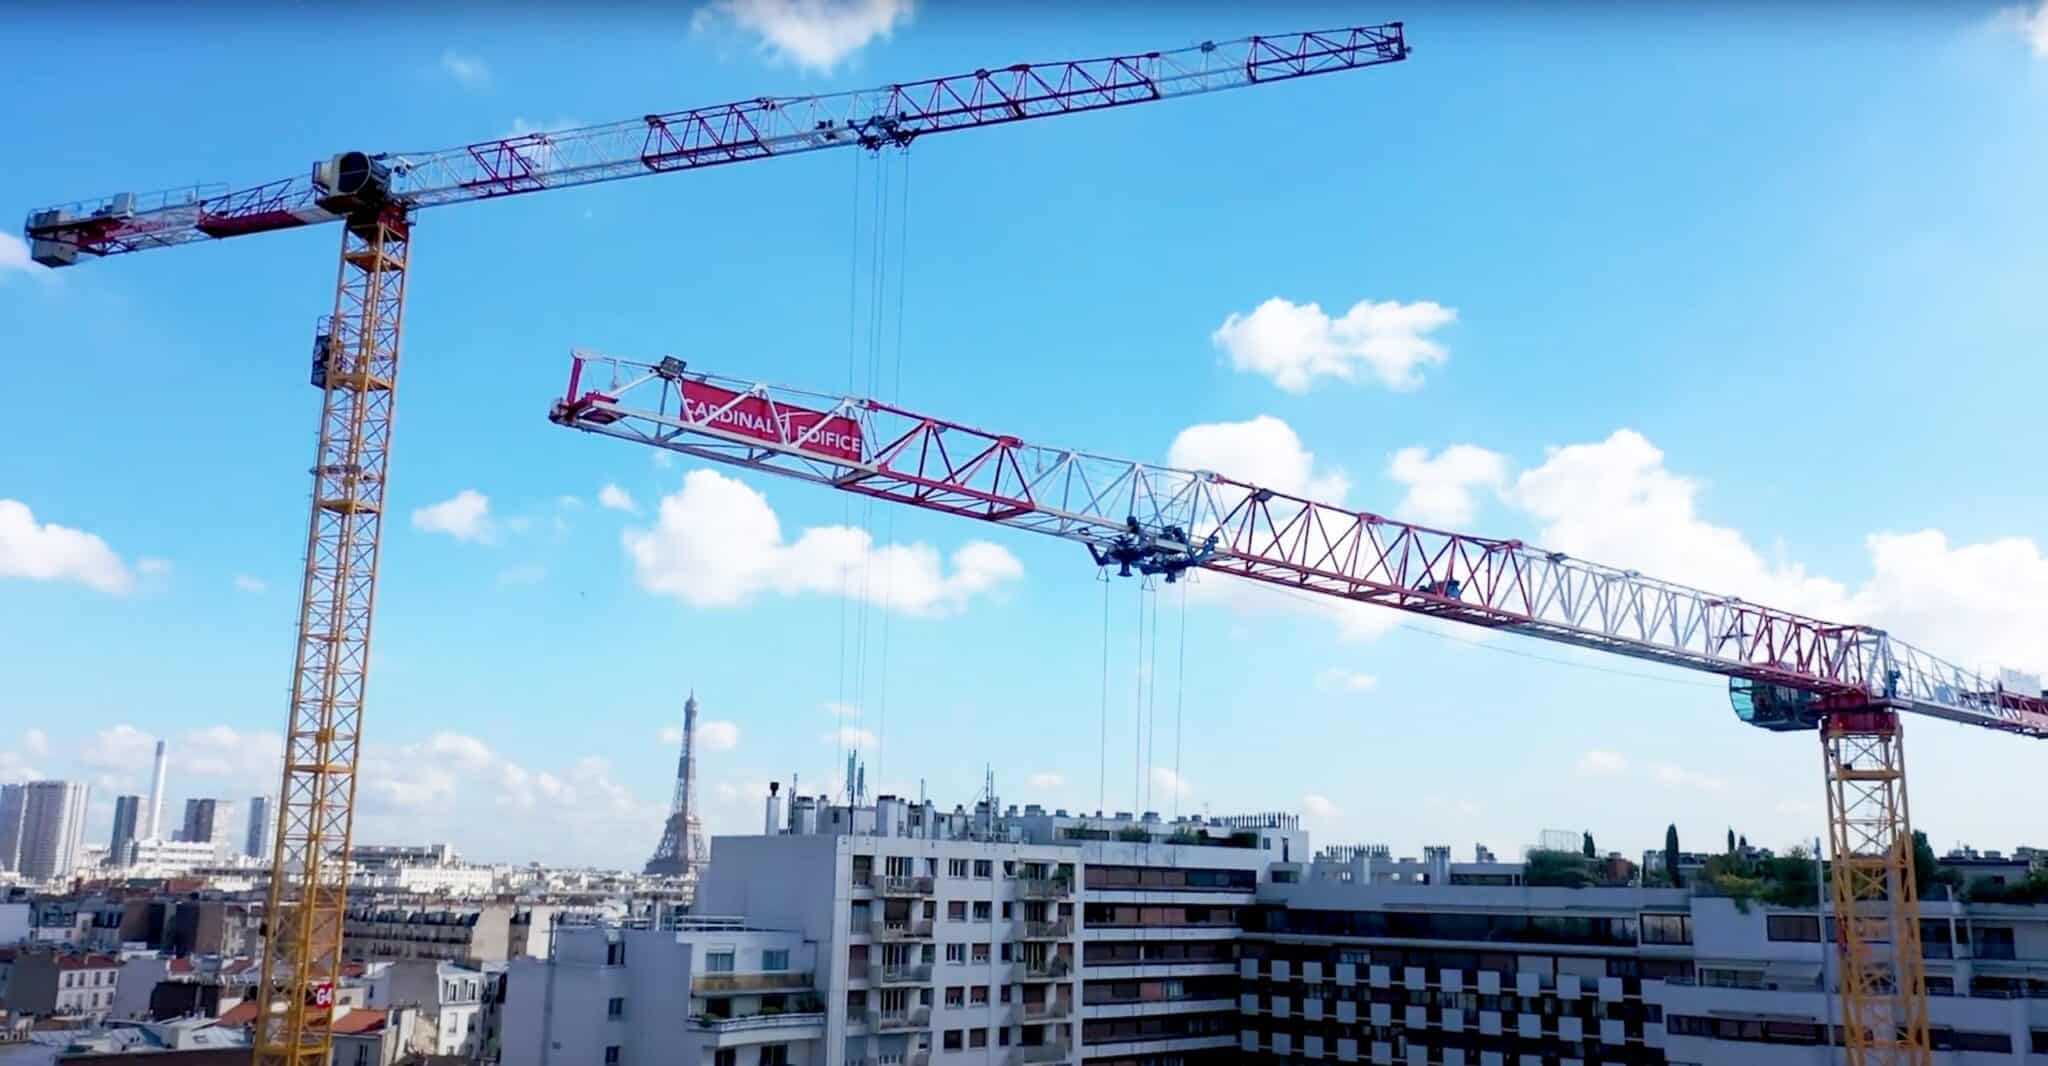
[936, 939]
[52, 829]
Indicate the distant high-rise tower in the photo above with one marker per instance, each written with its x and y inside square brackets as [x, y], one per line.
[12, 800]
[152, 827]
[52, 828]
[683, 851]
[127, 809]
[257, 846]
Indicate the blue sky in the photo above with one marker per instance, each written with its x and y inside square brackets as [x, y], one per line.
[1750, 299]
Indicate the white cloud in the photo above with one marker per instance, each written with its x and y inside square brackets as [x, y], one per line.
[469, 70]
[851, 736]
[1597, 763]
[842, 710]
[150, 567]
[1046, 779]
[464, 750]
[1336, 679]
[1263, 451]
[118, 747]
[50, 552]
[1316, 806]
[1440, 488]
[2030, 24]
[717, 543]
[35, 743]
[1170, 783]
[714, 735]
[617, 499]
[14, 256]
[670, 735]
[245, 583]
[248, 757]
[1680, 777]
[1981, 604]
[814, 34]
[466, 516]
[1614, 502]
[1294, 344]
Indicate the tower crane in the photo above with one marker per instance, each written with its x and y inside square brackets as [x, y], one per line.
[1850, 683]
[375, 197]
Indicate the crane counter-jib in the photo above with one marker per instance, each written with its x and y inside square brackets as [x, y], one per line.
[655, 143]
[1162, 520]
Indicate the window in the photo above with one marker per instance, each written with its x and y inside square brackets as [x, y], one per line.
[1992, 942]
[775, 961]
[1802, 928]
[956, 911]
[984, 869]
[615, 953]
[952, 1040]
[956, 867]
[1667, 929]
[616, 1008]
[2041, 1041]
[1006, 910]
[1009, 868]
[611, 1054]
[981, 954]
[977, 1038]
[956, 996]
[980, 996]
[982, 911]
[726, 1057]
[718, 961]
[956, 954]
[1005, 993]
[775, 1055]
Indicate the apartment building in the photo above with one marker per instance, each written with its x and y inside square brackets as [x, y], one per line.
[734, 992]
[478, 933]
[56, 983]
[1343, 962]
[894, 934]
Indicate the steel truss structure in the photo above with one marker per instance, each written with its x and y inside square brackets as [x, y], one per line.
[1215, 523]
[1165, 521]
[889, 115]
[355, 364]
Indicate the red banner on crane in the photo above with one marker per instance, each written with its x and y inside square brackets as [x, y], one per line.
[777, 423]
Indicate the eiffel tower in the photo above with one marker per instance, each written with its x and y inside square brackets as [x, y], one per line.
[683, 851]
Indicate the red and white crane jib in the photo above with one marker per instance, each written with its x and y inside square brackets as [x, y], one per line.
[877, 449]
[704, 136]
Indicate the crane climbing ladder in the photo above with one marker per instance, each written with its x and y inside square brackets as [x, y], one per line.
[1851, 683]
[375, 197]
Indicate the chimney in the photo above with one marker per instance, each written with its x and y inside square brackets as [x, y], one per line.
[773, 820]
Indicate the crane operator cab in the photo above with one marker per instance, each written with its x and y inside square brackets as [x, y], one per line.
[1774, 707]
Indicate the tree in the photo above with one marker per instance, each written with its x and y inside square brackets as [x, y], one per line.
[1731, 840]
[1742, 842]
[1586, 848]
[1924, 865]
[1671, 855]
[1560, 869]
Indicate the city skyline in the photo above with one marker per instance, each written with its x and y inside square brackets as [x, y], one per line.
[1564, 310]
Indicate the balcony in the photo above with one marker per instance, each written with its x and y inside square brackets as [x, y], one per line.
[906, 886]
[897, 929]
[900, 1020]
[1028, 1056]
[1044, 887]
[906, 974]
[727, 984]
[1052, 1010]
[807, 1011]
[1051, 968]
[1059, 930]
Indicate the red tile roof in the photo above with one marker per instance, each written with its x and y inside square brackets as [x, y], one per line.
[242, 1013]
[352, 1021]
[87, 962]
